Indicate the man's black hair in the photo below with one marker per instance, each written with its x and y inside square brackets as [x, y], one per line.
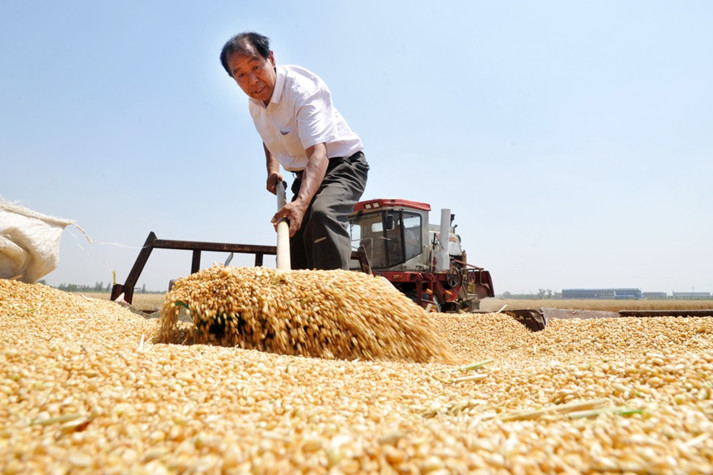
[246, 44]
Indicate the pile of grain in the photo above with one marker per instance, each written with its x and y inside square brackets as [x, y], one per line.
[326, 314]
[84, 390]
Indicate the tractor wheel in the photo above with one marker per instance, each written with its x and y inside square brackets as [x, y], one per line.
[453, 278]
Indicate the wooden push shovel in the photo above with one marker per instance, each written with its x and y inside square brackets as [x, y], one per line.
[283, 232]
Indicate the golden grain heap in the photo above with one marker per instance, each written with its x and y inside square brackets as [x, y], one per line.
[327, 314]
[85, 389]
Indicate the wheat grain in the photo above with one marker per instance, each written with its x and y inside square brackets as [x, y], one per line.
[77, 397]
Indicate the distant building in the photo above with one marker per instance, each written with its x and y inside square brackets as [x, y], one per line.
[691, 295]
[655, 295]
[603, 294]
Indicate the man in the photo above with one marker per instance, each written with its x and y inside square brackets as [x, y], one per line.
[302, 130]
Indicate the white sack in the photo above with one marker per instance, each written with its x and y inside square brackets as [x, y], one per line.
[29, 243]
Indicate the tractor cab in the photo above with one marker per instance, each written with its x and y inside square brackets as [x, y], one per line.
[393, 233]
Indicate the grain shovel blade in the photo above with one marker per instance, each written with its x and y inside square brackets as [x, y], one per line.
[536, 320]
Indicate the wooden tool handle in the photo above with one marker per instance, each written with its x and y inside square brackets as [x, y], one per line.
[283, 232]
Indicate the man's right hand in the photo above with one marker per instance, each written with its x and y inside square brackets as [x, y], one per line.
[294, 212]
[272, 180]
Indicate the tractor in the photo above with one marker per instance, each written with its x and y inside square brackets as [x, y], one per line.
[399, 244]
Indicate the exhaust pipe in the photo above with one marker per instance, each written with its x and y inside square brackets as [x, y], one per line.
[443, 263]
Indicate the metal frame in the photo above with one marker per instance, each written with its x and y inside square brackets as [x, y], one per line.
[152, 242]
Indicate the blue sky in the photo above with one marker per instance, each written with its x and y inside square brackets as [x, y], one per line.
[571, 139]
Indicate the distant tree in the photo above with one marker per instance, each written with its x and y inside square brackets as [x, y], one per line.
[507, 295]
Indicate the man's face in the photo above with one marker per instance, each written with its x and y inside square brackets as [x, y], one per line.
[254, 74]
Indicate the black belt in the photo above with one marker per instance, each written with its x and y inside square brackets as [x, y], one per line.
[333, 162]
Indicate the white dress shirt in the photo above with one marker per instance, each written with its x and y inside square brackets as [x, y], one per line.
[301, 114]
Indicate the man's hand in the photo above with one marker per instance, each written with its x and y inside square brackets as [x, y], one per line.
[294, 212]
[272, 180]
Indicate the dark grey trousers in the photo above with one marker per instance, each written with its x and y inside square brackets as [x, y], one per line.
[323, 241]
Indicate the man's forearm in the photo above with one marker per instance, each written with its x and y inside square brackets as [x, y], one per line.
[312, 177]
[313, 173]
[273, 166]
[273, 171]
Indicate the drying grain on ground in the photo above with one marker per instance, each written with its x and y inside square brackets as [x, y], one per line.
[84, 389]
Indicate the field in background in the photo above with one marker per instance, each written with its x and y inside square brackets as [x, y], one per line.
[593, 304]
[155, 302]
[140, 301]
